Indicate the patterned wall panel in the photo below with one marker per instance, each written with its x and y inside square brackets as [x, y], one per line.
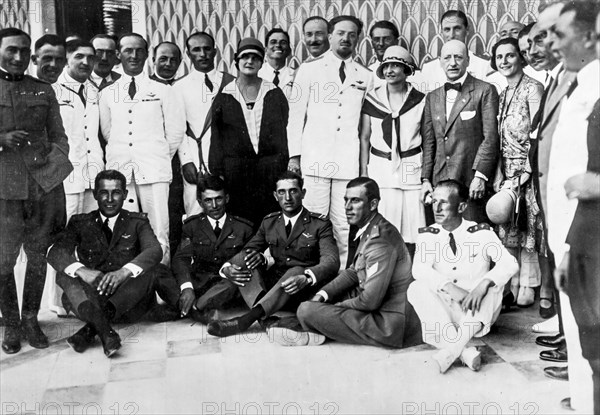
[418, 20]
[15, 13]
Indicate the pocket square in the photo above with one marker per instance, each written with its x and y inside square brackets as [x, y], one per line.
[467, 115]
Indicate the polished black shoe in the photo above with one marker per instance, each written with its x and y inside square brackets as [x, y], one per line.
[162, 313]
[554, 355]
[224, 328]
[82, 339]
[33, 333]
[111, 343]
[205, 316]
[557, 340]
[556, 372]
[12, 340]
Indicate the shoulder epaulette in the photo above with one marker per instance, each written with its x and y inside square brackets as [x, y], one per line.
[479, 227]
[138, 215]
[82, 216]
[319, 216]
[41, 81]
[429, 229]
[193, 217]
[272, 215]
[243, 220]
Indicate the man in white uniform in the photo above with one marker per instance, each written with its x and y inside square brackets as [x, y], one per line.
[456, 294]
[315, 30]
[275, 69]
[323, 139]
[143, 124]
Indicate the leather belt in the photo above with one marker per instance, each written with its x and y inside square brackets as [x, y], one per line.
[388, 155]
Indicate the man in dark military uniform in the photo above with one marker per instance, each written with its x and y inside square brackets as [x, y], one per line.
[305, 258]
[208, 241]
[112, 277]
[34, 161]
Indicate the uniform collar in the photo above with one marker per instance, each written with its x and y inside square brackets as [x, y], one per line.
[111, 221]
[214, 222]
[10, 77]
[293, 219]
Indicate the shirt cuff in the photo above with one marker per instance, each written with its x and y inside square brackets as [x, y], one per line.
[186, 285]
[72, 269]
[481, 175]
[135, 270]
[225, 265]
[312, 275]
[323, 294]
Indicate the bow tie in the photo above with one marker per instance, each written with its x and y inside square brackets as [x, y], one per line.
[449, 85]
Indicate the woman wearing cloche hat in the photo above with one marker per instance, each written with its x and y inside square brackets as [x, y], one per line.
[391, 143]
[248, 138]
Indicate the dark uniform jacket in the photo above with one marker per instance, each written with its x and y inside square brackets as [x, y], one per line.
[310, 245]
[201, 254]
[30, 104]
[133, 241]
[468, 140]
[376, 284]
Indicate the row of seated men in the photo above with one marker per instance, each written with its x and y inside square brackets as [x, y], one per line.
[108, 264]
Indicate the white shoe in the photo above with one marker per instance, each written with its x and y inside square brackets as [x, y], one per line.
[471, 358]
[526, 297]
[444, 358]
[289, 337]
[546, 326]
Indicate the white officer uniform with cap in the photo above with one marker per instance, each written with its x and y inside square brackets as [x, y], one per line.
[323, 130]
[285, 75]
[142, 135]
[435, 265]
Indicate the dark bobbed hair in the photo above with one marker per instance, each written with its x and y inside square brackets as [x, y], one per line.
[507, 41]
[460, 189]
[110, 175]
[385, 24]
[343, 18]
[290, 175]
[370, 186]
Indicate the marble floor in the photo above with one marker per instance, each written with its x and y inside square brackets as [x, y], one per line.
[179, 368]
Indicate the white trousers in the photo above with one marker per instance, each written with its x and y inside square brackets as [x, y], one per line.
[580, 371]
[190, 200]
[152, 199]
[326, 196]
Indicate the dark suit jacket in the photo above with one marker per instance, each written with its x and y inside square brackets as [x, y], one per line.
[30, 105]
[379, 278]
[250, 176]
[201, 254]
[584, 234]
[133, 241]
[456, 148]
[311, 244]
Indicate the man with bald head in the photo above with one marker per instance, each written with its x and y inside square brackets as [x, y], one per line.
[166, 60]
[460, 132]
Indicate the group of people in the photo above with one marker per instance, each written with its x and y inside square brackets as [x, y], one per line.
[431, 188]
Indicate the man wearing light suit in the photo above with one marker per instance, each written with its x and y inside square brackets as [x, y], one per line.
[460, 131]
[325, 105]
[367, 303]
[143, 123]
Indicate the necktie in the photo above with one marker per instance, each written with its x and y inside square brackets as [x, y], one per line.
[276, 79]
[452, 243]
[132, 88]
[217, 229]
[288, 228]
[208, 83]
[81, 94]
[107, 231]
[572, 88]
[342, 72]
[352, 245]
[103, 83]
[449, 85]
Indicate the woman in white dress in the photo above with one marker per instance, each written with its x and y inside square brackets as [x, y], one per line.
[391, 143]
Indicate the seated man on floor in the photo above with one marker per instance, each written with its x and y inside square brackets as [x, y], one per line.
[366, 303]
[107, 261]
[456, 294]
[208, 241]
[305, 255]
